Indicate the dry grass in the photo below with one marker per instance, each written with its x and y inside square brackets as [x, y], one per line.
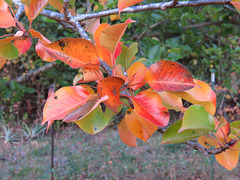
[104, 156]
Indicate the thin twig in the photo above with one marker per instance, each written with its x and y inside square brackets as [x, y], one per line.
[67, 15]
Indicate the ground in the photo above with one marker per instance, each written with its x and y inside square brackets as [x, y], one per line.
[104, 156]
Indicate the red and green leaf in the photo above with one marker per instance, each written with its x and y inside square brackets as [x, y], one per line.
[22, 44]
[7, 49]
[169, 76]
[149, 105]
[75, 52]
[110, 86]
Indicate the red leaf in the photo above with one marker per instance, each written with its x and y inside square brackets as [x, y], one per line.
[236, 3]
[23, 44]
[3, 5]
[136, 73]
[75, 52]
[224, 130]
[149, 105]
[6, 19]
[110, 86]
[64, 101]
[169, 76]
[122, 4]
[126, 135]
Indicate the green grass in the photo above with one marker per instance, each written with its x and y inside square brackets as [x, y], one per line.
[104, 156]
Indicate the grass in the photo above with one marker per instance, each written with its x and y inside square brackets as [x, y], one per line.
[104, 156]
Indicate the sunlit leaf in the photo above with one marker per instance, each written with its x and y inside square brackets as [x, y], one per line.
[122, 4]
[23, 44]
[171, 101]
[126, 135]
[172, 136]
[64, 101]
[167, 75]
[3, 5]
[111, 35]
[197, 118]
[127, 55]
[2, 62]
[6, 19]
[75, 52]
[136, 73]
[110, 86]
[149, 105]
[140, 127]
[201, 94]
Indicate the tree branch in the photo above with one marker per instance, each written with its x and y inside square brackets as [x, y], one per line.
[35, 72]
[67, 15]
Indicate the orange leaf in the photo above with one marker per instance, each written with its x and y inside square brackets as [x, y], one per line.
[64, 101]
[6, 19]
[2, 62]
[56, 4]
[169, 76]
[139, 126]
[110, 86]
[42, 38]
[201, 94]
[119, 72]
[23, 44]
[126, 135]
[136, 73]
[35, 7]
[111, 36]
[228, 159]
[149, 105]
[122, 4]
[3, 5]
[102, 52]
[88, 75]
[171, 101]
[75, 52]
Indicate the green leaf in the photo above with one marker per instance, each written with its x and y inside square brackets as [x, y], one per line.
[172, 136]
[235, 128]
[197, 118]
[127, 55]
[94, 122]
[8, 50]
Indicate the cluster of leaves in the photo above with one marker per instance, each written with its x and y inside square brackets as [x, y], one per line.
[148, 93]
